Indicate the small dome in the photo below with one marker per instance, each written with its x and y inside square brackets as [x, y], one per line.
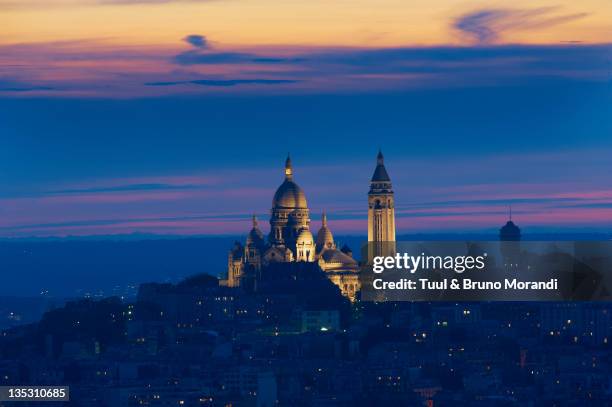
[255, 236]
[305, 237]
[325, 239]
[510, 231]
[289, 195]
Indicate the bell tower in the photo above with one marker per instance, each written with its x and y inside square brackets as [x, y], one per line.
[381, 212]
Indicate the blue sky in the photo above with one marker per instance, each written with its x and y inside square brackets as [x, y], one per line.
[202, 165]
[175, 117]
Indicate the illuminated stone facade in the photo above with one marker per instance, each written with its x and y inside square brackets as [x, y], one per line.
[290, 238]
[381, 212]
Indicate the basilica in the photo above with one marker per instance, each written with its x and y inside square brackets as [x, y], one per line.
[290, 239]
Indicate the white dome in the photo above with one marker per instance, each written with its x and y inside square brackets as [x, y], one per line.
[305, 237]
[289, 195]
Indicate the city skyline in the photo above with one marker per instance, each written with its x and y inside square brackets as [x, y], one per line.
[306, 203]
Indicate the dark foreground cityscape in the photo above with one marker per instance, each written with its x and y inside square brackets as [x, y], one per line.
[298, 342]
[286, 327]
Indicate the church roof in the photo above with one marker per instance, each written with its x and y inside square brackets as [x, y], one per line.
[509, 231]
[336, 256]
[289, 194]
[255, 235]
[510, 227]
[380, 173]
[346, 249]
[325, 239]
[304, 236]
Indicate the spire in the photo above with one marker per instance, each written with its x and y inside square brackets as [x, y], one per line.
[288, 168]
[510, 213]
[380, 173]
[324, 219]
[255, 225]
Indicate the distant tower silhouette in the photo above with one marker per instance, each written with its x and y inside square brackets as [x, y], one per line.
[510, 238]
[510, 232]
[381, 212]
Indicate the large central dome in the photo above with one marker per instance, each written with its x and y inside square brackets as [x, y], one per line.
[289, 194]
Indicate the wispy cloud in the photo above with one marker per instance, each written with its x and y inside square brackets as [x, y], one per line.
[193, 57]
[410, 59]
[224, 82]
[428, 202]
[96, 68]
[9, 85]
[488, 25]
[196, 40]
[416, 66]
[125, 188]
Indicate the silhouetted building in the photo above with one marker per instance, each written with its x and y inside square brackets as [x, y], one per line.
[510, 232]
[510, 238]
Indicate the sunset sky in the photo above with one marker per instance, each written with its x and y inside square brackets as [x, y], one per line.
[314, 23]
[174, 117]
